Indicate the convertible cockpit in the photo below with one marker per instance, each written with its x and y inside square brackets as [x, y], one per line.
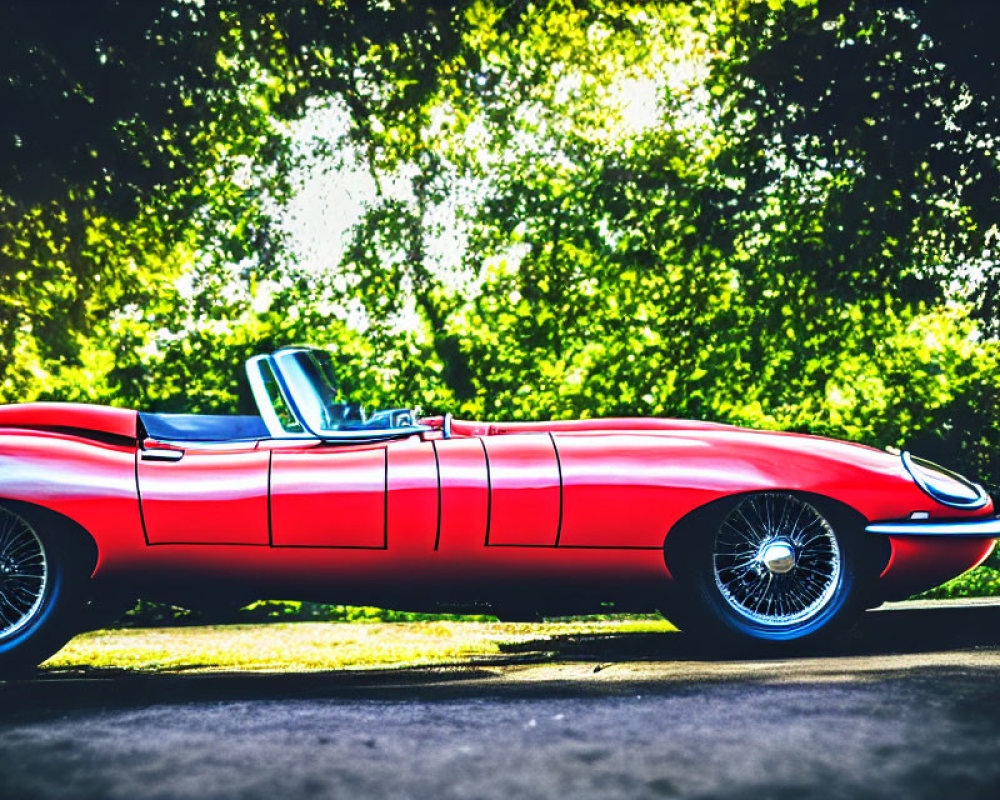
[297, 397]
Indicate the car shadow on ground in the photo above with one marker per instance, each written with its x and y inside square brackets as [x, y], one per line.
[922, 629]
[670, 657]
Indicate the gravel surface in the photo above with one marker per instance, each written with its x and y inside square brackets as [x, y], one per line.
[910, 709]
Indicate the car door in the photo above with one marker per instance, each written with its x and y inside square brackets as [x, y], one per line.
[329, 495]
[203, 493]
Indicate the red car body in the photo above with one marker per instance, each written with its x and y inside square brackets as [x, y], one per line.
[551, 516]
[493, 509]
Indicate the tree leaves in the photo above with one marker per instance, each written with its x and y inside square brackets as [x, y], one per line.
[770, 213]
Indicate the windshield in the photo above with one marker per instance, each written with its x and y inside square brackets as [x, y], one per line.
[309, 378]
[298, 394]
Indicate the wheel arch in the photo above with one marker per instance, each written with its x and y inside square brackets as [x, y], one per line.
[83, 546]
[698, 522]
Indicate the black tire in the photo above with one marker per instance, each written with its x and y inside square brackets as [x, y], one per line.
[38, 583]
[774, 569]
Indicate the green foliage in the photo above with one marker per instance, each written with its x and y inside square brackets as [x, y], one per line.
[896, 106]
[979, 582]
[142, 141]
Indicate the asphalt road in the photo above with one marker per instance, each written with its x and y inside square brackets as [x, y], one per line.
[911, 709]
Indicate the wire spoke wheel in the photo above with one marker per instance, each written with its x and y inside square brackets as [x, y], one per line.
[24, 573]
[776, 560]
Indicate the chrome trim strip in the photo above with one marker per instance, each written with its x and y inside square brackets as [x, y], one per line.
[985, 528]
[374, 435]
[981, 499]
[160, 454]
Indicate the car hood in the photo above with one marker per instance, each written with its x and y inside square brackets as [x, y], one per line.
[710, 433]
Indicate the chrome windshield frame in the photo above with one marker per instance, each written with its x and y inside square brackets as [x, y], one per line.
[265, 405]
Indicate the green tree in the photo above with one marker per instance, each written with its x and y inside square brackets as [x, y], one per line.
[864, 148]
[143, 141]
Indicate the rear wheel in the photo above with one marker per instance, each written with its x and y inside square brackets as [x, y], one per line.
[770, 567]
[35, 583]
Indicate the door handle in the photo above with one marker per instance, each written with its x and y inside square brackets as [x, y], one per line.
[161, 454]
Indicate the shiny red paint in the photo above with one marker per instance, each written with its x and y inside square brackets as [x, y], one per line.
[209, 496]
[412, 507]
[465, 495]
[525, 506]
[611, 485]
[69, 416]
[88, 481]
[463, 428]
[919, 562]
[497, 510]
[325, 496]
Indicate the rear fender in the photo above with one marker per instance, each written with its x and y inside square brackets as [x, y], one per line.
[64, 531]
[86, 482]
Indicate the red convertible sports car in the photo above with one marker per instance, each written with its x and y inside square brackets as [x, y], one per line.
[735, 534]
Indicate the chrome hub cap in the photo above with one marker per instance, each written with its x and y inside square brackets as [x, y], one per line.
[777, 556]
[23, 573]
[777, 560]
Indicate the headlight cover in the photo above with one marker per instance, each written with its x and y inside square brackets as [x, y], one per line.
[946, 487]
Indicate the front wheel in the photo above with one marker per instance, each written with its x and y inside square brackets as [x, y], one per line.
[35, 583]
[770, 567]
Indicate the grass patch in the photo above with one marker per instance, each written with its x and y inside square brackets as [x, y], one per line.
[308, 646]
[982, 581]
